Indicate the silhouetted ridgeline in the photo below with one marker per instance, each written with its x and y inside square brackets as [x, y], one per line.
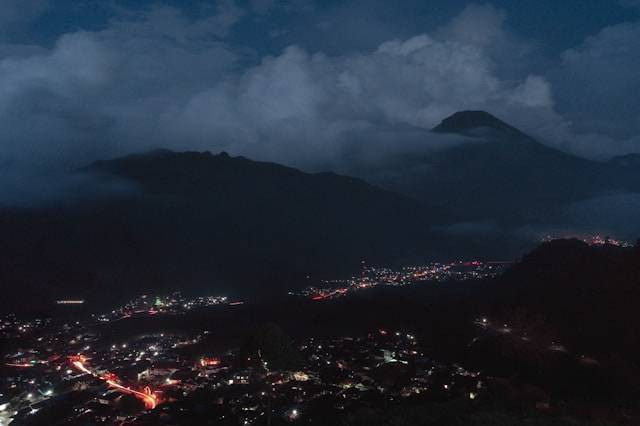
[589, 294]
[211, 223]
[493, 171]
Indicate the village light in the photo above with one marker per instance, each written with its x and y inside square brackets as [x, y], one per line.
[294, 414]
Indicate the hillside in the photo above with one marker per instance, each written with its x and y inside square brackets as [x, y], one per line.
[587, 294]
[499, 173]
[214, 223]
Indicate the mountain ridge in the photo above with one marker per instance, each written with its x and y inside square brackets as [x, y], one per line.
[497, 172]
[211, 223]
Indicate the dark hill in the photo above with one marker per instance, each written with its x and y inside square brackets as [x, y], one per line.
[590, 294]
[214, 223]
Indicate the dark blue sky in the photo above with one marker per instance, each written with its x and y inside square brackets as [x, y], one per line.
[557, 25]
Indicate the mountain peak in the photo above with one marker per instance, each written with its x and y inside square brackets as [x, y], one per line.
[466, 121]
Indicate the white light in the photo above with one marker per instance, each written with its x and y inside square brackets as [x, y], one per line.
[29, 395]
[294, 414]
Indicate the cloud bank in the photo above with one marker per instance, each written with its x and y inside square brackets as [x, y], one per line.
[160, 78]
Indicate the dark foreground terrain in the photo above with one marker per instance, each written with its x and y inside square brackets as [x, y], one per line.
[552, 341]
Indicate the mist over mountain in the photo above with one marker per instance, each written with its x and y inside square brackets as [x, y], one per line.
[213, 223]
[498, 173]
[196, 220]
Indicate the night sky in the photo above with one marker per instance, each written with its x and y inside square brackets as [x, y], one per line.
[297, 82]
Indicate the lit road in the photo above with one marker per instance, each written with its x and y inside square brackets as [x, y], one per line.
[149, 399]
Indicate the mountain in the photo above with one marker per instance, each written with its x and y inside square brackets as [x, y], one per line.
[496, 172]
[466, 122]
[214, 223]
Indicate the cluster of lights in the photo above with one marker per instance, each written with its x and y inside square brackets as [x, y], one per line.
[372, 277]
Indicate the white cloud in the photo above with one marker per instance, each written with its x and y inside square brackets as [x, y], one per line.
[88, 95]
[481, 25]
[157, 78]
[304, 108]
[598, 80]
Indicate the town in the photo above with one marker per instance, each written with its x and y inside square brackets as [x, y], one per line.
[381, 276]
[71, 373]
[66, 366]
[160, 358]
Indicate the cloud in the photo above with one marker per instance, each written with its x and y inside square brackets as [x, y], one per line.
[50, 188]
[157, 77]
[14, 13]
[69, 104]
[303, 108]
[595, 114]
[610, 214]
[481, 25]
[601, 74]
[613, 214]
